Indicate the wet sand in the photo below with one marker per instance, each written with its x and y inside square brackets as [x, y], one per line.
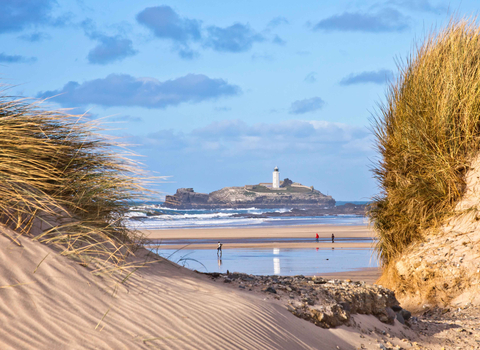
[367, 274]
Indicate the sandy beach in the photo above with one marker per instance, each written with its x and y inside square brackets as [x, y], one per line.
[242, 235]
[50, 302]
[308, 231]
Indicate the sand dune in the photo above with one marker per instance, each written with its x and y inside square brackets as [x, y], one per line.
[50, 302]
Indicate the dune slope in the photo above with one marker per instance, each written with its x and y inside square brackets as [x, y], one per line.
[444, 268]
[49, 301]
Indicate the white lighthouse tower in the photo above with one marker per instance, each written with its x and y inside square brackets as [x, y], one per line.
[276, 178]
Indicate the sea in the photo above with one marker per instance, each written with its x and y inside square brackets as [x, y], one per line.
[261, 261]
[152, 215]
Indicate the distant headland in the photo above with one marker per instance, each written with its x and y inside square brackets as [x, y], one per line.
[277, 194]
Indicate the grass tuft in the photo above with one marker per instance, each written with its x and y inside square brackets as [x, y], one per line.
[427, 133]
[64, 184]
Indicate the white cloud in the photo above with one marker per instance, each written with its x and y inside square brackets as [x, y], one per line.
[235, 137]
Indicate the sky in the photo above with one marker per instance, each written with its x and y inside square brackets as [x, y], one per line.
[218, 93]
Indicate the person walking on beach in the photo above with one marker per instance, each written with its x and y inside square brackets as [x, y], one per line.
[316, 237]
[333, 238]
[219, 249]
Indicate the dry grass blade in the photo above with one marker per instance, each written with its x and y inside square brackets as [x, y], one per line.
[41, 261]
[15, 285]
[103, 317]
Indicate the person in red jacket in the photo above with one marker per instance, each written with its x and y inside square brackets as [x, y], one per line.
[316, 237]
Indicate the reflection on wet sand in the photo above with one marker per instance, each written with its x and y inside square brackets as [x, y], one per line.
[276, 262]
[276, 266]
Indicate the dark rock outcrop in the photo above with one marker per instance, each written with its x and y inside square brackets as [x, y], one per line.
[185, 197]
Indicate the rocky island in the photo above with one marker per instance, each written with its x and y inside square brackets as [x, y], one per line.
[241, 197]
[286, 194]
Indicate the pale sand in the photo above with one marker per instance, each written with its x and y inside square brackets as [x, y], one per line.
[64, 306]
[308, 231]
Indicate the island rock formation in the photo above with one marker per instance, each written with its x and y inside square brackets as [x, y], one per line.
[289, 195]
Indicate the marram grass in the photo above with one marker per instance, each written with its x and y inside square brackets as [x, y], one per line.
[64, 184]
[427, 133]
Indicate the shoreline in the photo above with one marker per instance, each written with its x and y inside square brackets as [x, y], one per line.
[367, 274]
[283, 245]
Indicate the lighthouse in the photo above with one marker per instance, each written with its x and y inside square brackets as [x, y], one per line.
[276, 178]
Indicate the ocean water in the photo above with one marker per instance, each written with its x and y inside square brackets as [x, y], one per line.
[276, 261]
[154, 216]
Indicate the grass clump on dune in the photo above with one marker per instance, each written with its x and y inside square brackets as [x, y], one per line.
[427, 133]
[63, 184]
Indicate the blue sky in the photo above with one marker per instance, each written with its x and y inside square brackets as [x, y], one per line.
[218, 93]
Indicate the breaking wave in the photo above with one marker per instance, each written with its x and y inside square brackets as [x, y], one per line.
[153, 216]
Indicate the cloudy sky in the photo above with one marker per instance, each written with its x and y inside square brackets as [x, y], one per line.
[218, 93]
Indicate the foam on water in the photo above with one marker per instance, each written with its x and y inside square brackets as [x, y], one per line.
[153, 216]
[202, 223]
